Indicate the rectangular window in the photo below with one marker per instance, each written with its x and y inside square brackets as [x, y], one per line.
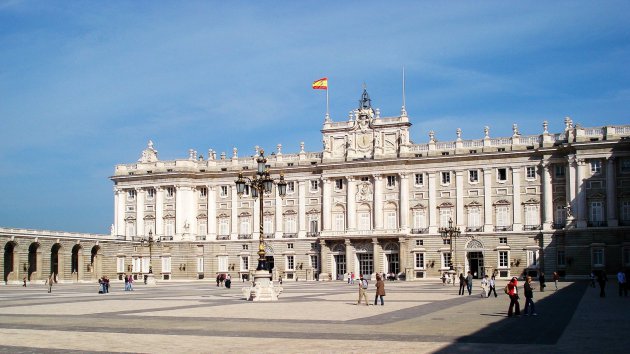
[502, 216]
[419, 220]
[531, 172]
[223, 263]
[532, 217]
[170, 192]
[419, 260]
[560, 216]
[391, 181]
[200, 264]
[473, 176]
[364, 220]
[131, 194]
[224, 226]
[202, 227]
[446, 241]
[244, 263]
[446, 177]
[474, 217]
[166, 264]
[446, 260]
[532, 258]
[503, 259]
[290, 187]
[559, 171]
[169, 227]
[445, 216]
[625, 165]
[203, 192]
[120, 265]
[289, 246]
[596, 166]
[419, 179]
[339, 184]
[289, 224]
[561, 261]
[625, 211]
[390, 219]
[314, 185]
[340, 223]
[244, 226]
[268, 225]
[596, 212]
[150, 193]
[315, 262]
[598, 257]
[419, 242]
[501, 174]
[224, 191]
[503, 240]
[245, 247]
[290, 263]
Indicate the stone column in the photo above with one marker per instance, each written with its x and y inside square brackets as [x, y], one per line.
[302, 209]
[326, 205]
[159, 211]
[404, 202]
[350, 266]
[547, 194]
[516, 199]
[324, 261]
[351, 203]
[459, 207]
[378, 258]
[212, 212]
[234, 213]
[378, 202]
[581, 194]
[571, 170]
[611, 195]
[487, 200]
[278, 213]
[403, 255]
[433, 228]
[140, 230]
[120, 212]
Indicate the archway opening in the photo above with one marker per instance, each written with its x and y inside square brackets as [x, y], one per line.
[9, 260]
[54, 260]
[32, 259]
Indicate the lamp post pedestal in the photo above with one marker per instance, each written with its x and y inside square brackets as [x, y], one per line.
[262, 288]
[151, 280]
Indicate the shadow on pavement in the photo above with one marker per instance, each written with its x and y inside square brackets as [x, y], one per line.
[554, 314]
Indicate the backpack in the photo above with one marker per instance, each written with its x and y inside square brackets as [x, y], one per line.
[364, 284]
[507, 289]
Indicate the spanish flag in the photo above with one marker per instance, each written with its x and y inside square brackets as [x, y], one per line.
[321, 84]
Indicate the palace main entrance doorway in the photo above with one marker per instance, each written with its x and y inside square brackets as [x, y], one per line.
[475, 264]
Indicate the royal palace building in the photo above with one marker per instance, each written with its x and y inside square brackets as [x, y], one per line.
[370, 201]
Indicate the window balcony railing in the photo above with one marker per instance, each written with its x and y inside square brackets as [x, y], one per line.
[558, 226]
[597, 223]
[312, 234]
[201, 238]
[424, 230]
[223, 237]
[289, 235]
[474, 229]
[244, 236]
[531, 227]
[503, 228]
[166, 238]
[268, 235]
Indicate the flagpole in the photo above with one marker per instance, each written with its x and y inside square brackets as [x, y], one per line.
[327, 108]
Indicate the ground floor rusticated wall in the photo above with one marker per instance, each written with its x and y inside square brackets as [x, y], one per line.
[574, 253]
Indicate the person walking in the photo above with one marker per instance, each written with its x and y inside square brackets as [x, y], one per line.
[24, 280]
[228, 281]
[443, 279]
[462, 284]
[602, 279]
[49, 282]
[623, 283]
[130, 283]
[363, 285]
[529, 298]
[541, 280]
[352, 278]
[512, 291]
[469, 283]
[126, 282]
[556, 277]
[380, 289]
[592, 279]
[484, 286]
[492, 285]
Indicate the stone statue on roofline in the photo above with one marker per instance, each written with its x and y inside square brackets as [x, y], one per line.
[149, 154]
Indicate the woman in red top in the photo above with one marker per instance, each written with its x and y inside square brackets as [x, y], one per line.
[513, 294]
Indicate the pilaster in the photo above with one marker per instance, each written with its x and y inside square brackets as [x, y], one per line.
[581, 194]
[302, 209]
[326, 207]
[404, 202]
[547, 194]
[140, 229]
[487, 200]
[433, 228]
[516, 199]
[611, 195]
[212, 212]
[159, 211]
[459, 185]
[351, 203]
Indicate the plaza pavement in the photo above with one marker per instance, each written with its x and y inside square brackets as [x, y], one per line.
[310, 317]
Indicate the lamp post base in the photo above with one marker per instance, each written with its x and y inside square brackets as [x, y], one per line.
[151, 280]
[262, 289]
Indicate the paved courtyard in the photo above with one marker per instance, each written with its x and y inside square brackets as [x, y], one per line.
[311, 317]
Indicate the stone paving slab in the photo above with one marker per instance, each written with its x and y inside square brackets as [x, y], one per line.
[421, 317]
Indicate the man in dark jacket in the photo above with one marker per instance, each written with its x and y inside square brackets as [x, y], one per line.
[529, 298]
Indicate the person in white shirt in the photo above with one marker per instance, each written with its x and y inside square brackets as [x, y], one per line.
[623, 283]
[484, 286]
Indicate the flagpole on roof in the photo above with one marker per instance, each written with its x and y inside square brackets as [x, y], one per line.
[403, 111]
[327, 119]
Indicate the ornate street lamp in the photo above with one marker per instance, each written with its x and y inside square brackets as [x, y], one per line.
[260, 185]
[150, 280]
[448, 233]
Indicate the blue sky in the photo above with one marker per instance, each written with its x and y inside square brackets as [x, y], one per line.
[85, 84]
